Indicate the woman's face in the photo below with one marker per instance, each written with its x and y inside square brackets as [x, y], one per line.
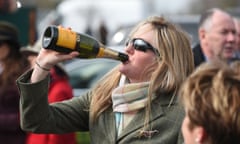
[139, 60]
[4, 50]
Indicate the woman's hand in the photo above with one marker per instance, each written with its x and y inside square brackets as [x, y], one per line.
[49, 58]
[46, 59]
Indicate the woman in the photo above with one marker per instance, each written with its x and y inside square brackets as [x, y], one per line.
[211, 97]
[12, 65]
[134, 103]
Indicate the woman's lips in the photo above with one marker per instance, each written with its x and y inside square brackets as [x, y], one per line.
[126, 62]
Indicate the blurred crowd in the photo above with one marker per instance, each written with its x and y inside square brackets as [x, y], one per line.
[211, 94]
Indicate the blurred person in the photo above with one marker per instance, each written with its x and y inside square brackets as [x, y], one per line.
[237, 24]
[89, 30]
[59, 90]
[236, 65]
[135, 103]
[31, 52]
[12, 65]
[8, 6]
[103, 32]
[211, 97]
[217, 36]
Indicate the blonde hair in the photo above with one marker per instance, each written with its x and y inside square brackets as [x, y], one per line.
[211, 97]
[174, 64]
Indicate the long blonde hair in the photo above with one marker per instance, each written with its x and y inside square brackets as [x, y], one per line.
[174, 64]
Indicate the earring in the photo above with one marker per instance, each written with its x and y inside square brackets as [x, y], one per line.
[197, 140]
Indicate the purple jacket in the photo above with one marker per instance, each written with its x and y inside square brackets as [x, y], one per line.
[10, 132]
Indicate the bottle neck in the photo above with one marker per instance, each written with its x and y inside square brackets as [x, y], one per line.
[112, 54]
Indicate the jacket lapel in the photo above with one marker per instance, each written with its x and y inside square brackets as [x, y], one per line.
[137, 122]
[110, 125]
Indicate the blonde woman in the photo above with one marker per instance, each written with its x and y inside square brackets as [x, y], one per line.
[134, 103]
[211, 97]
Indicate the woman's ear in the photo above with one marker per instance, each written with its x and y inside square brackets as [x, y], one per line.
[201, 33]
[200, 134]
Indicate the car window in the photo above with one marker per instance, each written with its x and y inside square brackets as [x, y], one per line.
[83, 74]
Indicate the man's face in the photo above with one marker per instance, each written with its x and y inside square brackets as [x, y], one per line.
[237, 25]
[221, 37]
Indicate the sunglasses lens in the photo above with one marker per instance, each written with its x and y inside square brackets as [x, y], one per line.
[139, 44]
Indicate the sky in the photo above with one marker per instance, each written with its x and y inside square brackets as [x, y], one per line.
[172, 6]
[79, 14]
[116, 12]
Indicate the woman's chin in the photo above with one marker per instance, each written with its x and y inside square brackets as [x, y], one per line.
[122, 69]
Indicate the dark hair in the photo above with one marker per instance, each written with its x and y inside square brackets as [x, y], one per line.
[14, 65]
[9, 33]
[59, 71]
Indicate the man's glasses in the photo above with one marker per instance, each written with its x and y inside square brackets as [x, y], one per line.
[141, 45]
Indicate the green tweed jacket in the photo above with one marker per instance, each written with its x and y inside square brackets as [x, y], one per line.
[73, 115]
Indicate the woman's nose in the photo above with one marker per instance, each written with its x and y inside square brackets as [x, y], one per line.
[129, 49]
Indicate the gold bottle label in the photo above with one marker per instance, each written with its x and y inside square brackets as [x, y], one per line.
[101, 52]
[107, 53]
[66, 38]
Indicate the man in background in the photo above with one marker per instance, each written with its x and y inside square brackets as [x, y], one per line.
[217, 35]
[237, 24]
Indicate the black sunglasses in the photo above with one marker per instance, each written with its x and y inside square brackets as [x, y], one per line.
[141, 45]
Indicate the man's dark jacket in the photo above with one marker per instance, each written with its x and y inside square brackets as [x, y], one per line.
[198, 55]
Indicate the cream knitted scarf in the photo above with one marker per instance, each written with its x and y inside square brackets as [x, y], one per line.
[130, 97]
[126, 98]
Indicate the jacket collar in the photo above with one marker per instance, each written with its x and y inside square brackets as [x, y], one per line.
[137, 122]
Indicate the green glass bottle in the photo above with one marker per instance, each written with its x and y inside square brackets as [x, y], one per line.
[65, 40]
